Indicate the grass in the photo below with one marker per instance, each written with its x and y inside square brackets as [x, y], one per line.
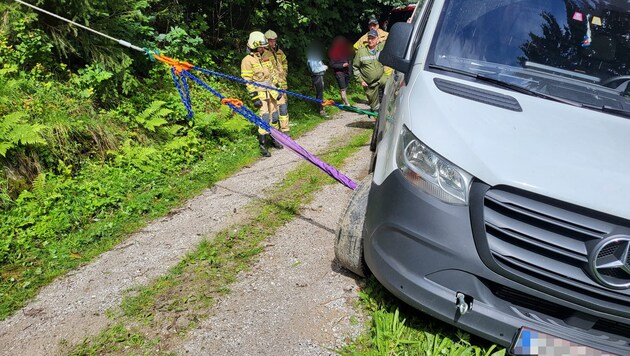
[180, 300]
[397, 329]
[143, 195]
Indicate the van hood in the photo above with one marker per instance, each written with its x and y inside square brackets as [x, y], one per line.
[572, 154]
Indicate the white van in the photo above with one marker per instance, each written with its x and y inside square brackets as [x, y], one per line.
[500, 195]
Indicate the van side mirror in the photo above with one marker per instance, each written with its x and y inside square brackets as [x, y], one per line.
[393, 54]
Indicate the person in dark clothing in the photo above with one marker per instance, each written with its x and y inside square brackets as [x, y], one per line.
[340, 54]
[314, 56]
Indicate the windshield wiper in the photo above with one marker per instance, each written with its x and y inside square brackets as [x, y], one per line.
[608, 109]
[506, 85]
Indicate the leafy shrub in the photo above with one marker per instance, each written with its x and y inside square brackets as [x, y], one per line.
[179, 44]
[222, 125]
[23, 46]
[15, 132]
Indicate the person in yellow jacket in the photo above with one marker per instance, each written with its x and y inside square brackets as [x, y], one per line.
[257, 69]
[281, 69]
[372, 25]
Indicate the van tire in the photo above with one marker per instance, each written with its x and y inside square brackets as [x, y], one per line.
[349, 242]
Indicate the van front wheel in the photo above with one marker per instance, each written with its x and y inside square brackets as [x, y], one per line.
[349, 242]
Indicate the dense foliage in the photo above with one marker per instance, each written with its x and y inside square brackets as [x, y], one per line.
[93, 135]
[67, 92]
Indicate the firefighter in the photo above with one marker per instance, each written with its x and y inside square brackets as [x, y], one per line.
[256, 68]
[279, 60]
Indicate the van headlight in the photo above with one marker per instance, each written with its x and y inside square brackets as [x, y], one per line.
[427, 170]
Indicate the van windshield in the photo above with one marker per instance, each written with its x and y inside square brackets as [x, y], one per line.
[578, 50]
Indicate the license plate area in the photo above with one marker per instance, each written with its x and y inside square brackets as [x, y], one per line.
[533, 342]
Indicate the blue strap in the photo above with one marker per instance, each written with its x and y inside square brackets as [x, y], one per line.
[182, 88]
[246, 112]
[184, 93]
[241, 80]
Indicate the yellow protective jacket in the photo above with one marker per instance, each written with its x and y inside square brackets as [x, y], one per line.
[259, 69]
[280, 65]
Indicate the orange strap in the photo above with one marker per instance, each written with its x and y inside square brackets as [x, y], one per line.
[179, 66]
[328, 102]
[235, 102]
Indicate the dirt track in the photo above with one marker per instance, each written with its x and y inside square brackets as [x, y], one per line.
[295, 300]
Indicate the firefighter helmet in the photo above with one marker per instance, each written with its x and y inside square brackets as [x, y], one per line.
[270, 35]
[256, 39]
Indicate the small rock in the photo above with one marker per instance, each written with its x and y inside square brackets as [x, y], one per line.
[181, 323]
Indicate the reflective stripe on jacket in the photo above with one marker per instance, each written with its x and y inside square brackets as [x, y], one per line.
[256, 68]
[280, 66]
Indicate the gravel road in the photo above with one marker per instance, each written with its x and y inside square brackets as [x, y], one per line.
[294, 301]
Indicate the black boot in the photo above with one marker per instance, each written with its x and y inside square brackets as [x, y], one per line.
[275, 143]
[262, 143]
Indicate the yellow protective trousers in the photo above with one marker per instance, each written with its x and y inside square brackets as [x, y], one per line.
[283, 111]
[269, 114]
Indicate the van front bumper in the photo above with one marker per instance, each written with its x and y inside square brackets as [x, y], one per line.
[423, 251]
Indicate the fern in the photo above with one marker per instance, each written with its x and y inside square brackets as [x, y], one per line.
[173, 130]
[28, 134]
[153, 116]
[14, 132]
[11, 120]
[4, 147]
[39, 187]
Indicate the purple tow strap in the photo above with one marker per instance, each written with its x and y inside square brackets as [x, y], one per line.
[287, 142]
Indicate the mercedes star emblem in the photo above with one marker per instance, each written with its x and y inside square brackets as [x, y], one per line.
[610, 262]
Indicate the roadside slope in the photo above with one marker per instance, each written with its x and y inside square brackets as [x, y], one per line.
[73, 307]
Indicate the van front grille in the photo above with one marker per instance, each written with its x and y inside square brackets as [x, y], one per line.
[544, 244]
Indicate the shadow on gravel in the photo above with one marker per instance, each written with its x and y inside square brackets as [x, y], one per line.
[251, 196]
[336, 267]
[267, 201]
[289, 161]
[315, 223]
[363, 124]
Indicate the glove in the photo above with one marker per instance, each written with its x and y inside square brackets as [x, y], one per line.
[279, 93]
[256, 100]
